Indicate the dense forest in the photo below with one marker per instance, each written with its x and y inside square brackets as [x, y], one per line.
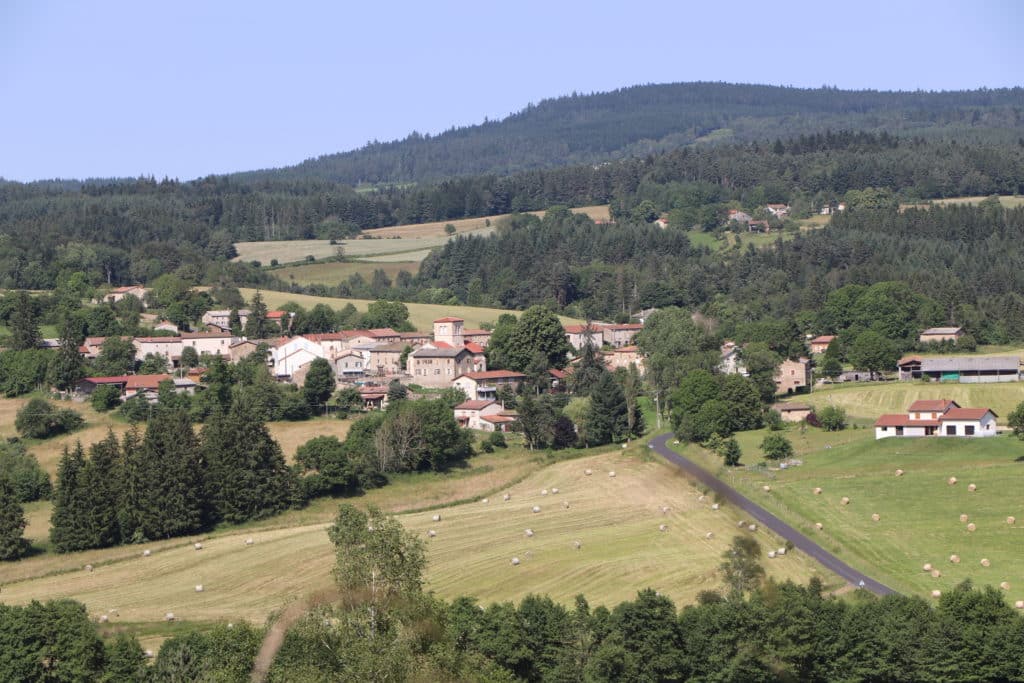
[600, 127]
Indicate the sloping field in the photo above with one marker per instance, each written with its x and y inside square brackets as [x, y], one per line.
[333, 272]
[422, 316]
[919, 512]
[1008, 201]
[616, 519]
[418, 238]
[869, 400]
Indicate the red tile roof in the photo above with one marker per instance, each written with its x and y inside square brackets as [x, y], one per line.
[498, 418]
[966, 414]
[903, 421]
[494, 374]
[473, 347]
[824, 339]
[273, 315]
[449, 320]
[908, 359]
[581, 329]
[475, 405]
[556, 373]
[925, 405]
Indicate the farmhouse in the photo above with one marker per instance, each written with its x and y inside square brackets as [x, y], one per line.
[579, 336]
[624, 357]
[778, 210]
[469, 413]
[821, 343]
[962, 369]
[168, 347]
[436, 365]
[221, 319]
[731, 363]
[793, 376]
[484, 385]
[130, 385]
[793, 412]
[739, 216]
[385, 359]
[210, 343]
[619, 335]
[939, 417]
[119, 293]
[934, 335]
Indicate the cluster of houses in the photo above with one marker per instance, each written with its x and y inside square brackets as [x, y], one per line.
[791, 377]
[938, 417]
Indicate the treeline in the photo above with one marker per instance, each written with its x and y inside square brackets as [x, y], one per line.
[601, 127]
[955, 264]
[135, 231]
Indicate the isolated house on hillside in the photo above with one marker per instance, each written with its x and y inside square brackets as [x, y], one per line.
[119, 293]
[821, 343]
[938, 417]
[934, 335]
[739, 216]
[793, 412]
[469, 413]
[778, 210]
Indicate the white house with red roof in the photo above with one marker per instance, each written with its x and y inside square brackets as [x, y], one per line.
[937, 417]
[469, 413]
[485, 385]
[821, 343]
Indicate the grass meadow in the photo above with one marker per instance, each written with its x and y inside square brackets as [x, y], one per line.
[919, 511]
[333, 272]
[866, 401]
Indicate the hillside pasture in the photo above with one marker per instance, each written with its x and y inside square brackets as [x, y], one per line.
[333, 272]
[919, 512]
[422, 316]
[865, 401]
[616, 519]
[1008, 201]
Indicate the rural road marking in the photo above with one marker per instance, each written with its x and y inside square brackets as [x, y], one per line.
[799, 540]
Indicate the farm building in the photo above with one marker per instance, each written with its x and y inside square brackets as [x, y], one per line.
[793, 412]
[963, 369]
[940, 334]
[792, 376]
[937, 418]
[821, 343]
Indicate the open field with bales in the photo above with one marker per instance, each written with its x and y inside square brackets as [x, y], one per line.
[865, 401]
[384, 242]
[918, 512]
[422, 316]
[617, 521]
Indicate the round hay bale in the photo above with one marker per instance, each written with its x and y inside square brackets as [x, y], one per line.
[249, 541]
[955, 559]
[927, 567]
[817, 490]
[971, 526]
[985, 562]
[766, 488]
[515, 561]
[780, 551]
[146, 553]
[432, 533]
[485, 501]
[771, 554]
[876, 517]
[612, 474]
[1019, 604]
[741, 524]
[543, 492]
[87, 567]
[936, 593]
[436, 518]
[507, 497]
[676, 442]
[663, 527]
[709, 535]
[625, 446]
[963, 519]
[899, 473]
[951, 481]
[199, 588]
[588, 472]
[1005, 585]
[1011, 520]
[104, 618]
[752, 527]
[198, 546]
[536, 508]
[715, 506]
[169, 616]
[577, 544]
[936, 573]
[701, 498]
[844, 500]
[565, 504]
[529, 533]
[819, 526]
[554, 490]
[972, 488]
[148, 654]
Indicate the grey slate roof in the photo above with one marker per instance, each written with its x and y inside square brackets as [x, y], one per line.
[971, 364]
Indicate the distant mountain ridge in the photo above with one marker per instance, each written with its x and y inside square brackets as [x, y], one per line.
[647, 118]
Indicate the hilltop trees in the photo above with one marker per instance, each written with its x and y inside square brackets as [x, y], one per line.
[536, 337]
[706, 404]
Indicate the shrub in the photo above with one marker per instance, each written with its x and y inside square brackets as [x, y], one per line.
[38, 419]
[776, 447]
[497, 439]
[29, 481]
[105, 397]
[773, 420]
[136, 409]
[832, 418]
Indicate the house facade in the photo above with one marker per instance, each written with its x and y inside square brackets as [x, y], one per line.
[821, 343]
[579, 336]
[485, 385]
[469, 413]
[624, 357]
[934, 335]
[793, 412]
[168, 347]
[619, 335]
[431, 366]
[939, 417]
[793, 376]
[210, 343]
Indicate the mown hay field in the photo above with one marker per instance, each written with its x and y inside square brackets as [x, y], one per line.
[919, 512]
[866, 401]
[333, 272]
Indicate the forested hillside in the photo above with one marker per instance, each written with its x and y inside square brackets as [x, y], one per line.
[649, 118]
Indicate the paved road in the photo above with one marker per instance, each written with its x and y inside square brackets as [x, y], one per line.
[767, 519]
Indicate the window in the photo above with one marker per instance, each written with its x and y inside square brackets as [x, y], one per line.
[969, 430]
[950, 430]
[899, 431]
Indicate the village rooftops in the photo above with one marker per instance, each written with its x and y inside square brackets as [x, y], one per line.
[824, 339]
[206, 335]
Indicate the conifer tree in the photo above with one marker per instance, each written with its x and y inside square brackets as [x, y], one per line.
[67, 366]
[24, 323]
[587, 372]
[12, 522]
[68, 525]
[164, 479]
[247, 475]
[102, 493]
[606, 419]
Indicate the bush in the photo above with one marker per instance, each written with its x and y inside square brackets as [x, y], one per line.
[776, 447]
[293, 407]
[832, 418]
[136, 409]
[29, 481]
[497, 439]
[487, 447]
[38, 419]
[773, 421]
[1016, 421]
[105, 397]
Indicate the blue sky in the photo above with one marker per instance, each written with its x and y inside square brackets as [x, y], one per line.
[188, 88]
